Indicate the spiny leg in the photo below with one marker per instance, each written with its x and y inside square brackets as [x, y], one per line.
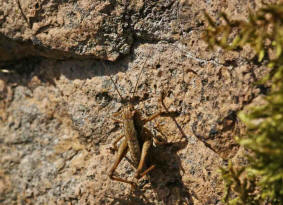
[114, 144]
[122, 151]
[167, 113]
[152, 117]
[115, 115]
[173, 118]
[145, 148]
[116, 120]
[114, 149]
[158, 140]
[147, 170]
[155, 115]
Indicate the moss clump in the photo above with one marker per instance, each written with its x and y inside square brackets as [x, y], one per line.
[261, 181]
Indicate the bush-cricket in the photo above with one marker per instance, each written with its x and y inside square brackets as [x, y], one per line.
[136, 138]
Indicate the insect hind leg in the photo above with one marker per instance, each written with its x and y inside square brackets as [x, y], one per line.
[122, 151]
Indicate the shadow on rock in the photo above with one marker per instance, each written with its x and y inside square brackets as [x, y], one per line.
[47, 70]
[132, 200]
[166, 180]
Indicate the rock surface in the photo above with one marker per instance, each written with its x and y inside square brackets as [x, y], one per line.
[84, 28]
[55, 113]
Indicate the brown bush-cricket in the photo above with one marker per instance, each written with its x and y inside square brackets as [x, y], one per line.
[137, 139]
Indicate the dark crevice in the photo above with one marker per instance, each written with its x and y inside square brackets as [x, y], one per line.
[22, 66]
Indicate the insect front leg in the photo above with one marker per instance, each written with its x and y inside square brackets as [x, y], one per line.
[122, 151]
[114, 144]
[115, 119]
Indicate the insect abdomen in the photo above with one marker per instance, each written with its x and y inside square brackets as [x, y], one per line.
[133, 143]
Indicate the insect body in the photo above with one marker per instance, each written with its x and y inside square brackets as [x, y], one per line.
[136, 139]
[131, 134]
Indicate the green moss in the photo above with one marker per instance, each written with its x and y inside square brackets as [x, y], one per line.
[261, 181]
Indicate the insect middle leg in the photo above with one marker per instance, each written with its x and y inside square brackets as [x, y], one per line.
[122, 151]
[152, 117]
[155, 115]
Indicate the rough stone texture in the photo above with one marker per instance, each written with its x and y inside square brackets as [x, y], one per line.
[98, 29]
[55, 115]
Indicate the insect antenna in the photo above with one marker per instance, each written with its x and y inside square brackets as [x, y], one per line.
[116, 88]
[139, 76]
